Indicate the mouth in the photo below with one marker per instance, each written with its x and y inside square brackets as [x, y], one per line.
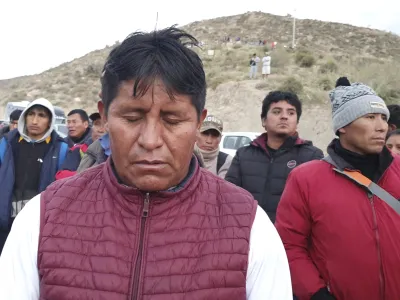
[380, 140]
[33, 128]
[150, 164]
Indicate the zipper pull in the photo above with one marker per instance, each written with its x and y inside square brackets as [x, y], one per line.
[146, 205]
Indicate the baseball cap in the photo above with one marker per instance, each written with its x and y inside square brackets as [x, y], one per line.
[212, 122]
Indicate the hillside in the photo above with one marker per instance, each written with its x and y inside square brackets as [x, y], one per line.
[324, 52]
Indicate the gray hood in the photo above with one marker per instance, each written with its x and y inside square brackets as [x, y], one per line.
[22, 126]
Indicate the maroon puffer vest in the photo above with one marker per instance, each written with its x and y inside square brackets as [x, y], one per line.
[102, 240]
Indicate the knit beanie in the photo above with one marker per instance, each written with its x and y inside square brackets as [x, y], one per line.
[352, 102]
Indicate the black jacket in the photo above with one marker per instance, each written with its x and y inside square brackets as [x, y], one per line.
[264, 176]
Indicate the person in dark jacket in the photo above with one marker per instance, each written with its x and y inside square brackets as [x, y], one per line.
[341, 239]
[29, 160]
[14, 116]
[263, 167]
[79, 131]
[77, 152]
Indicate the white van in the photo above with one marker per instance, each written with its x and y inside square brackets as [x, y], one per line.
[231, 141]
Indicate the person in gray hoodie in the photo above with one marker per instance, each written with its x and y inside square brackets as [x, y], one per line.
[29, 159]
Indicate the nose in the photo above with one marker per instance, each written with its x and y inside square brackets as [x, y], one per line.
[150, 137]
[382, 125]
[284, 115]
[35, 119]
[209, 139]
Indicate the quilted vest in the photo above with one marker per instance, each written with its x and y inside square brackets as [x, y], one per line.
[103, 240]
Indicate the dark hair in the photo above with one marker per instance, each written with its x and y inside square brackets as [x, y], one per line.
[162, 55]
[83, 114]
[342, 81]
[275, 97]
[394, 119]
[40, 108]
[393, 132]
[15, 114]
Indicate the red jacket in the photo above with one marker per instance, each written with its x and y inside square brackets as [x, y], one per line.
[336, 237]
[103, 240]
[71, 162]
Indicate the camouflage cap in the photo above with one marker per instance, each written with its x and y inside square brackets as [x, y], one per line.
[212, 122]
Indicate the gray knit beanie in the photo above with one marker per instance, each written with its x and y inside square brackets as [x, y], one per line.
[352, 102]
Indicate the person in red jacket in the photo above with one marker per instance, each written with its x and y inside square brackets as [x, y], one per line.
[343, 241]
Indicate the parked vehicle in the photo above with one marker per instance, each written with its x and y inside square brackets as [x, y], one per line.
[231, 141]
[11, 106]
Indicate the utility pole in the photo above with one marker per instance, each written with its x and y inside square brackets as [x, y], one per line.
[156, 22]
[294, 30]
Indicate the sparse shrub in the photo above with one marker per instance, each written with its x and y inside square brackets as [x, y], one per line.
[266, 49]
[328, 67]
[94, 70]
[280, 58]
[261, 85]
[237, 46]
[291, 84]
[325, 84]
[305, 59]
[214, 82]
[389, 94]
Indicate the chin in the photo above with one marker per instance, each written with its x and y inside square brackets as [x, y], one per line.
[375, 150]
[151, 183]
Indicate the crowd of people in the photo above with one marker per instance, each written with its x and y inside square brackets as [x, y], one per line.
[138, 201]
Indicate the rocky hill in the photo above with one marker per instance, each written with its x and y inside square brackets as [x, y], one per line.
[324, 51]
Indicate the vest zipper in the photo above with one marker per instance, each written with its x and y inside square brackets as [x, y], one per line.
[378, 247]
[136, 276]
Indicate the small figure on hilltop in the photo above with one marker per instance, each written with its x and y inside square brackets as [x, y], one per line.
[253, 65]
[266, 67]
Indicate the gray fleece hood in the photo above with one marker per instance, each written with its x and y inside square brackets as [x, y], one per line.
[21, 122]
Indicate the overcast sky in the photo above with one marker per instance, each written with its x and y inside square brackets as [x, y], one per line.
[39, 34]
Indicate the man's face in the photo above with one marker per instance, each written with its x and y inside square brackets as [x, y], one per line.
[393, 143]
[209, 140]
[37, 121]
[281, 119]
[366, 135]
[97, 129]
[152, 137]
[13, 124]
[76, 126]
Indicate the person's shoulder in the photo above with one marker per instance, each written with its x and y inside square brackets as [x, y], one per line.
[80, 180]
[312, 169]
[226, 190]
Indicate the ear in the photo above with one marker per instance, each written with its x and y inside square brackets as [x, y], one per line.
[342, 130]
[100, 107]
[392, 127]
[202, 117]
[263, 122]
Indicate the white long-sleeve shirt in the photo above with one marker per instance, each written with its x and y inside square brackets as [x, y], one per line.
[268, 275]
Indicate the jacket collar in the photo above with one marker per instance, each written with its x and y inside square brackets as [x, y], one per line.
[289, 143]
[385, 158]
[131, 194]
